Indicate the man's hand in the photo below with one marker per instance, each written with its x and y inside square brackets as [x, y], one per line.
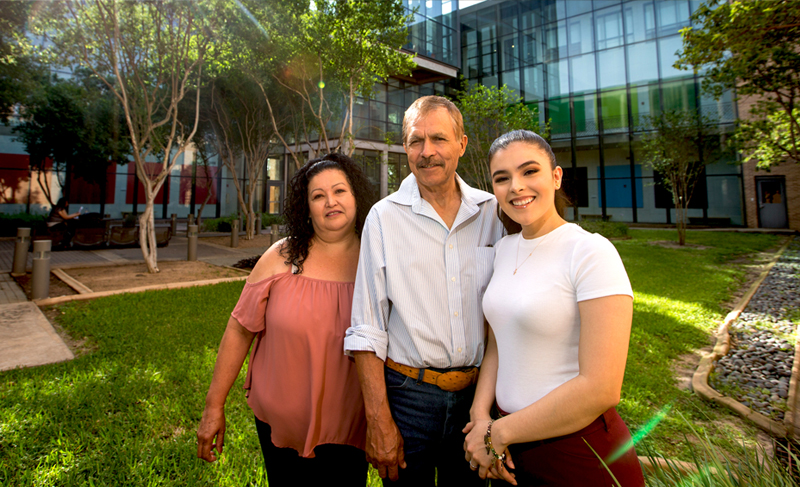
[385, 447]
[212, 427]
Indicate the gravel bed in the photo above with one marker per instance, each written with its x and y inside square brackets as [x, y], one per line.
[757, 369]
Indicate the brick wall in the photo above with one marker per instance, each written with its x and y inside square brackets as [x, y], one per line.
[790, 170]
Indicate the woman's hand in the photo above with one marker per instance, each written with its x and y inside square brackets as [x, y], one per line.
[212, 426]
[476, 455]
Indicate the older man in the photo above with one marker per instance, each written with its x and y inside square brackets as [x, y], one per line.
[417, 331]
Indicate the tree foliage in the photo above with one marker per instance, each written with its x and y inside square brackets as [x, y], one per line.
[76, 125]
[488, 113]
[19, 71]
[679, 148]
[754, 48]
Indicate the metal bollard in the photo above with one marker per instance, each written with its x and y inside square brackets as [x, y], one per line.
[174, 223]
[273, 234]
[258, 223]
[190, 222]
[40, 280]
[21, 251]
[235, 233]
[192, 247]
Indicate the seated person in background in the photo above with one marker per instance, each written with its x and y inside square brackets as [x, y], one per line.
[58, 220]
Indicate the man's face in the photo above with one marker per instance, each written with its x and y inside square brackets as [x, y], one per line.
[433, 150]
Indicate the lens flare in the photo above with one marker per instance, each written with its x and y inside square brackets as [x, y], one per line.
[644, 431]
[252, 18]
[321, 85]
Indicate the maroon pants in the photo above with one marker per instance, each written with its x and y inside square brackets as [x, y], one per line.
[567, 460]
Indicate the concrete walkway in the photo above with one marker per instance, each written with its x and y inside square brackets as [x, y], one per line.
[26, 336]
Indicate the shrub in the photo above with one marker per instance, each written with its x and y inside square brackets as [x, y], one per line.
[268, 219]
[10, 223]
[606, 229]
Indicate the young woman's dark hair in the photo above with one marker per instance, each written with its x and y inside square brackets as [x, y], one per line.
[297, 213]
[62, 203]
[535, 140]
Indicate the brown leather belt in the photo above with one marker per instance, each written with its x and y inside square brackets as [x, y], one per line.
[450, 381]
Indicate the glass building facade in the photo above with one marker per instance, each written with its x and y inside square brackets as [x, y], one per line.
[593, 69]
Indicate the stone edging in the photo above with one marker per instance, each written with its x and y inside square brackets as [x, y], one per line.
[700, 377]
[155, 287]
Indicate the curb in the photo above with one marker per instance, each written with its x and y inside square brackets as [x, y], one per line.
[700, 377]
[155, 287]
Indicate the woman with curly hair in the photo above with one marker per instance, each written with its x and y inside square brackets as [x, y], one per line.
[303, 390]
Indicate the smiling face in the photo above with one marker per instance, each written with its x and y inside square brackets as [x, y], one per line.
[524, 184]
[331, 202]
[433, 150]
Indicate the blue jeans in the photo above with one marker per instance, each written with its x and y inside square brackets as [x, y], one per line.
[430, 421]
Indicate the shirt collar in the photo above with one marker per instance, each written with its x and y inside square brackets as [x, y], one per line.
[408, 193]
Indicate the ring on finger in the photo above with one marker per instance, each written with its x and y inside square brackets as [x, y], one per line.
[473, 466]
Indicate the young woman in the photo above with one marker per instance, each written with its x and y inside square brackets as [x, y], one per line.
[559, 307]
[303, 390]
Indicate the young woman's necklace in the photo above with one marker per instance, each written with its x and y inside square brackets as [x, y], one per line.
[517, 266]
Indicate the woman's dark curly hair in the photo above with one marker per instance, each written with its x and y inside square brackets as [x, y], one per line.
[297, 213]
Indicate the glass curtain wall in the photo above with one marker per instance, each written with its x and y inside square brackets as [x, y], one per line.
[598, 69]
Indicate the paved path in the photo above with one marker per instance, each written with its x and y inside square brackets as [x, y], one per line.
[26, 336]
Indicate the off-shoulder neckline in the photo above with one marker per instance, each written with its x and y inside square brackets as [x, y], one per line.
[289, 273]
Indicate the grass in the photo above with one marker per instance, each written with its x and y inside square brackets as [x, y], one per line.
[125, 412]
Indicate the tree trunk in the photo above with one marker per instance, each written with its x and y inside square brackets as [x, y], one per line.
[680, 221]
[147, 235]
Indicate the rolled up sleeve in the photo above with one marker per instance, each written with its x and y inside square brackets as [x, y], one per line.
[371, 305]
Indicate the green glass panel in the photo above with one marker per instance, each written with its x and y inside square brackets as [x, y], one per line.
[559, 116]
[585, 115]
[644, 101]
[679, 95]
[615, 111]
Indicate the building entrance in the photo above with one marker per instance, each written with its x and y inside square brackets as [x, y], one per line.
[771, 193]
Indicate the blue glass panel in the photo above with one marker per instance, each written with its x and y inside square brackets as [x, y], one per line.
[584, 77]
[532, 46]
[722, 110]
[598, 4]
[534, 83]
[585, 115]
[611, 64]
[577, 7]
[608, 28]
[640, 20]
[671, 16]
[557, 78]
[642, 62]
[618, 186]
[667, 48]
[581, 38]
[555, 41]
[511, 79]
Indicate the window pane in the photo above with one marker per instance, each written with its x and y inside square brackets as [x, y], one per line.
[604, 3]
[608, 28]
[644, 102]
[581, 39]
[640, 21]
[534, 83]
[511, 79]
[672, 15]
[559, 117]
[577, 7]
[583, 73]
[585, 115]
[532, 46]
[642, 62]
[679, 95]
[722, 110]
[611, 64]
[511, 51]
[667, 48]
[557, 78]
[615, 111]
[555, 41]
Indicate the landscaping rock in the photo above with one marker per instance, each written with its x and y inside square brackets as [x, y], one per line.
[757, 368]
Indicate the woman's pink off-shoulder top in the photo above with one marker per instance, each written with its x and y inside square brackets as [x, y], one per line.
[299, 380]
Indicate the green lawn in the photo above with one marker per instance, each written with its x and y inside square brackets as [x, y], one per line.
[125, 412]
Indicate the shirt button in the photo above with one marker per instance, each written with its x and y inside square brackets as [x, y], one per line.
[456, 313]
[459, 349]
[451, 246]
[453, 279]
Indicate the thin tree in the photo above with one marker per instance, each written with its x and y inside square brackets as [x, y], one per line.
[681, 145]
[489, 112]
[149, 54]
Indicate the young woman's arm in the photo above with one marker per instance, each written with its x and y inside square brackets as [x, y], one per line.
[603, 351]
